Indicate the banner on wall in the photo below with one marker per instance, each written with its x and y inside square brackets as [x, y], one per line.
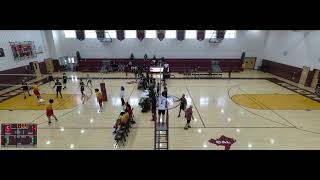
[1, 52]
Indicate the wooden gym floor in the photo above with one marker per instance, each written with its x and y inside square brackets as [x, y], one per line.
[257, 113]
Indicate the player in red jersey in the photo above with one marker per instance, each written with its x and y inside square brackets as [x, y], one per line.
[49, 111]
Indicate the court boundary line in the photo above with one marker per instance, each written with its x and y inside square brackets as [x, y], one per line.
[195, 106]
[86, 101]
[247, 94]
[242, 107]
[297, 92]
[72, 109]
[297, 128]
[180, 127]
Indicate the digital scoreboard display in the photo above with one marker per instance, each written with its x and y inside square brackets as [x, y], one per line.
[19, 135]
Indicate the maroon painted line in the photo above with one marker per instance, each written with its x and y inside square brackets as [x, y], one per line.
[268, 108]
[277, 81]
[147, 127]
[222, 127]
[214, 78]
[251, 111]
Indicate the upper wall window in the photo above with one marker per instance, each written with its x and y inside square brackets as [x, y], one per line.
[90, 34]
[213, 34]
[130, 34]
[111, 33]
[69, 33]
[171, 34]
[210, 34]
[151, 34]
[231, 34]
[191, 34]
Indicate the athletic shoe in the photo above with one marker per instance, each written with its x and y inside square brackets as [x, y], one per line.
[49, 122]
[189, 126]
[185, 128]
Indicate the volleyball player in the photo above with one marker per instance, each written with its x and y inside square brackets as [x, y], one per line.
[162, 106]
[183, 104]
[59, 88]
[88, 80]
[36, 91]
[50, 78]
[83, 96]
[49, 112]
[122, 95]
[99, 99]
[25, 88]
[64, 77]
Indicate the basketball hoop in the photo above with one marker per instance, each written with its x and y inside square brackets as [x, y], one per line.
[215, 42]
[105, 41]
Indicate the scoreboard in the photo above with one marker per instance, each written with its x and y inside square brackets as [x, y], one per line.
[18, 135]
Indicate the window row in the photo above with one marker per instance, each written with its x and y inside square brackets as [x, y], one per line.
[171, 34]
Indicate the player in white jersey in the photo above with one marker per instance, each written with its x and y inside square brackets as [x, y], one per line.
[162, 106]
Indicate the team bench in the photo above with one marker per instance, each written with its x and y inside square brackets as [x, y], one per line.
[122, 133]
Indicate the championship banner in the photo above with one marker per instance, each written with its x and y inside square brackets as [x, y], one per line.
[160, 34]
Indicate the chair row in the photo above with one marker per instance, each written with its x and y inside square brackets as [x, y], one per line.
[121, 134]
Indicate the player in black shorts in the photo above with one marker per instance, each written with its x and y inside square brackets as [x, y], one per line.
[50, 78]
[59, 88]
[25, 88]
[158, 89]
[183, 104]
[153, 107]
[165, 91]
[64, 77]
[82, 91]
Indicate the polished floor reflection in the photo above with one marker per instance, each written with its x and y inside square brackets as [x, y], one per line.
[216, 113]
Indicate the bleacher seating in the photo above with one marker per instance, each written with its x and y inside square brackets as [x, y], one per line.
[89, 65]
[176, 65]
[234, 64]
[15, 79]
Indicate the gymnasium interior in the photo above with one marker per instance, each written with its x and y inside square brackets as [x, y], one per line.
[246, 89]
